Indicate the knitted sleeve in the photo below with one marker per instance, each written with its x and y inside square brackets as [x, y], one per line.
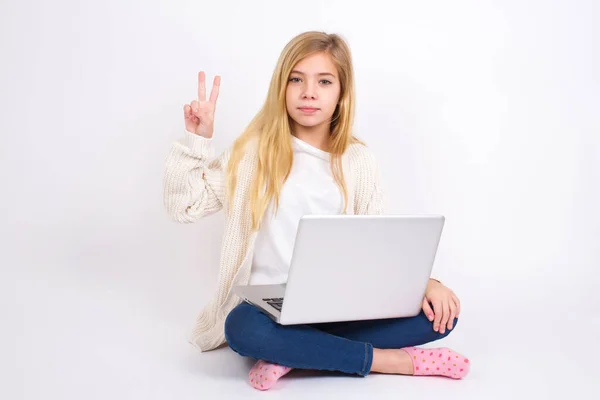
[194, 180]
[368, 187]
[376, 204]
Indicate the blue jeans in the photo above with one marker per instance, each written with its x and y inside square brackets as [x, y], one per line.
[339, 346]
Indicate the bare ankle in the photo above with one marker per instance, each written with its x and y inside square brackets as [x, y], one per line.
[392, 361]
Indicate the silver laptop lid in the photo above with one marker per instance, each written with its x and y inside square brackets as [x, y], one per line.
[356, 267]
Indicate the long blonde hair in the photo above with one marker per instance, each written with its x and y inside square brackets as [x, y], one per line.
[271, 125]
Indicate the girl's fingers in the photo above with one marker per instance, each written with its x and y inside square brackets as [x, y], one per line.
[214, 93]
[195, 107]
[457, 302]
[427, 309]
[201, 86]
[452, 307]
[446, 316]
[438, 314]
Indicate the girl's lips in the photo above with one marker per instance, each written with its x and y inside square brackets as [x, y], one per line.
[308, 110]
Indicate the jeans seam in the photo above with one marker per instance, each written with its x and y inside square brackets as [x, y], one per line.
[363, 372]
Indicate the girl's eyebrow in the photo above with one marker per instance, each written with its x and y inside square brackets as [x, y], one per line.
[320, 73]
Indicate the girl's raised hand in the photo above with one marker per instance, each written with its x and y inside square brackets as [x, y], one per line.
[199, 115]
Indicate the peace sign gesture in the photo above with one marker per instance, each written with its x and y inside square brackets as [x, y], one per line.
[199, 115]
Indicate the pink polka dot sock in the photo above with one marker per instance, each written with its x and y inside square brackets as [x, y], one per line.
[264, 375]
[441, 361]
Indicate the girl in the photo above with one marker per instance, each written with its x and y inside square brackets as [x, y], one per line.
[297, 156]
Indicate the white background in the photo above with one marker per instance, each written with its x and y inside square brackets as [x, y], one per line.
[484, 111]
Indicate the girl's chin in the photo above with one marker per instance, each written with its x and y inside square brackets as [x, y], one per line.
[308, 122]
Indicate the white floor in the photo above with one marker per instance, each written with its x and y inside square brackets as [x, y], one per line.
[97, 339]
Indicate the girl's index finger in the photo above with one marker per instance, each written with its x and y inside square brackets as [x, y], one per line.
[201, 86]
[214, 93]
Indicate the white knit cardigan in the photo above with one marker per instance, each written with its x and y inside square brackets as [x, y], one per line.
[195, 186]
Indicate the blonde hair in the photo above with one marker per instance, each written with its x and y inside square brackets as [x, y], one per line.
[271, 125]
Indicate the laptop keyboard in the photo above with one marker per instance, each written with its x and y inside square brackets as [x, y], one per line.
[276, 303]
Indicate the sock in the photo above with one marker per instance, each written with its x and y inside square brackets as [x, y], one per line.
[441, 361]
[264, 375]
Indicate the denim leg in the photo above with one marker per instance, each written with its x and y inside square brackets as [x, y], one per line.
[392, 333]
[250, 333]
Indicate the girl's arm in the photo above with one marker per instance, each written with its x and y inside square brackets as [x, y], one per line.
[376, 204]
[194, 180]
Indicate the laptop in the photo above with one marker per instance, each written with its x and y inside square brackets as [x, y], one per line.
[353, 267]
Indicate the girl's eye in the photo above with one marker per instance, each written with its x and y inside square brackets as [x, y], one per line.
[322, 81]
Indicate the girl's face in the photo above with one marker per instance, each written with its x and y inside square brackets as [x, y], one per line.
[313, 90]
